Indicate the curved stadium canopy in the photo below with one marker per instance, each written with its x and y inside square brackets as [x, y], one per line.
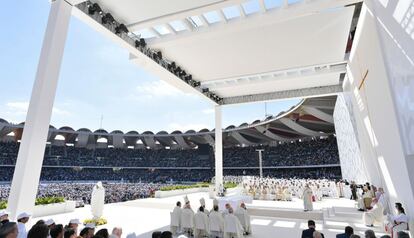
[310, 118]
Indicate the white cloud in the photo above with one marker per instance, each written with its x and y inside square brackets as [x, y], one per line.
[186, 127]
[158, 89]
[208, 111]
[20, 108]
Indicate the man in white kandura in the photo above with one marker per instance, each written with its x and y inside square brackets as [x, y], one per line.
[244, 218]
[176, 219]
[22, 219]
[307, 198]
[201, 226]
[97, 200]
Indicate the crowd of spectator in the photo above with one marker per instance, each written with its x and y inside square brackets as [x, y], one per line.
[314, 152]
[114, 191]
[166, 175]
[68, 163]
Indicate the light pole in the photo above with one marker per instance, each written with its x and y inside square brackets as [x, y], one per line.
[260, 162]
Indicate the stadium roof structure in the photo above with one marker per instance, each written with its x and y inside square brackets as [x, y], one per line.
[311, 117]
[233, 51]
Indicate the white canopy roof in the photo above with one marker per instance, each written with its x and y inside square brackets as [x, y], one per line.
[294, 50]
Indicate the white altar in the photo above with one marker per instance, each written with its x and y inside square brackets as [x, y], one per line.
[234, 201]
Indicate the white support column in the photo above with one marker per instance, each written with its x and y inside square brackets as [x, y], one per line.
[30, 157]
[260, 162]
[218, 152]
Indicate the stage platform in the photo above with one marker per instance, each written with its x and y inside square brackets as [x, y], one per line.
[287, 219]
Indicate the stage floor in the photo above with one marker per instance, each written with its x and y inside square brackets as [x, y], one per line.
[147, 215]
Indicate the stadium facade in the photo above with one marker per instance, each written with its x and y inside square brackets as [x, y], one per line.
[311, 117]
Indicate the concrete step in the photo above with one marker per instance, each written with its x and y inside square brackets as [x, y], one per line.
[358, 226]
[286, 213]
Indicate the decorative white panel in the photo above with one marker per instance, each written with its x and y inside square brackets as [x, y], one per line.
[352, 166]
[397, 35]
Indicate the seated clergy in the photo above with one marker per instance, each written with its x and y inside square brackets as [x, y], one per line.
[216, 222]
[232, 226]
[244, 218]
[201, 226]
[176, 219]
[376, 214]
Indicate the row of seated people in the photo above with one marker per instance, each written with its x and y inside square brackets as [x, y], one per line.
[166, 175]
[314, 152]
[50, 229]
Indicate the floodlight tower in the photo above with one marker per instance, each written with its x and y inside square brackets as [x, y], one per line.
[260, 162]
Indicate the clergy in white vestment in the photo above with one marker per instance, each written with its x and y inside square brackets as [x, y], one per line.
[244, 218]
[216, 222]
[307, 198]
[227, 206]
[97, 200]
[176, 219]
[201, 226]
[203, 204]
[187, 219]
[232, 226]
[22, 219]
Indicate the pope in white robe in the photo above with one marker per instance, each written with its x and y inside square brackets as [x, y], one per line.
[97, 200]
[376, 214]
[244, 218]
[307, 199]
[232, 226]
[201, 226]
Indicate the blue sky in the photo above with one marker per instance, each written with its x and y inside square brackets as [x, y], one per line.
[97, 79]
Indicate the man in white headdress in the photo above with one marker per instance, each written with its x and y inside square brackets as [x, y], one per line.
[22, 219]
[307, 198]
[97, 200]
[176, 218]
[232, 226]
[244, 218]
[4, 217]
